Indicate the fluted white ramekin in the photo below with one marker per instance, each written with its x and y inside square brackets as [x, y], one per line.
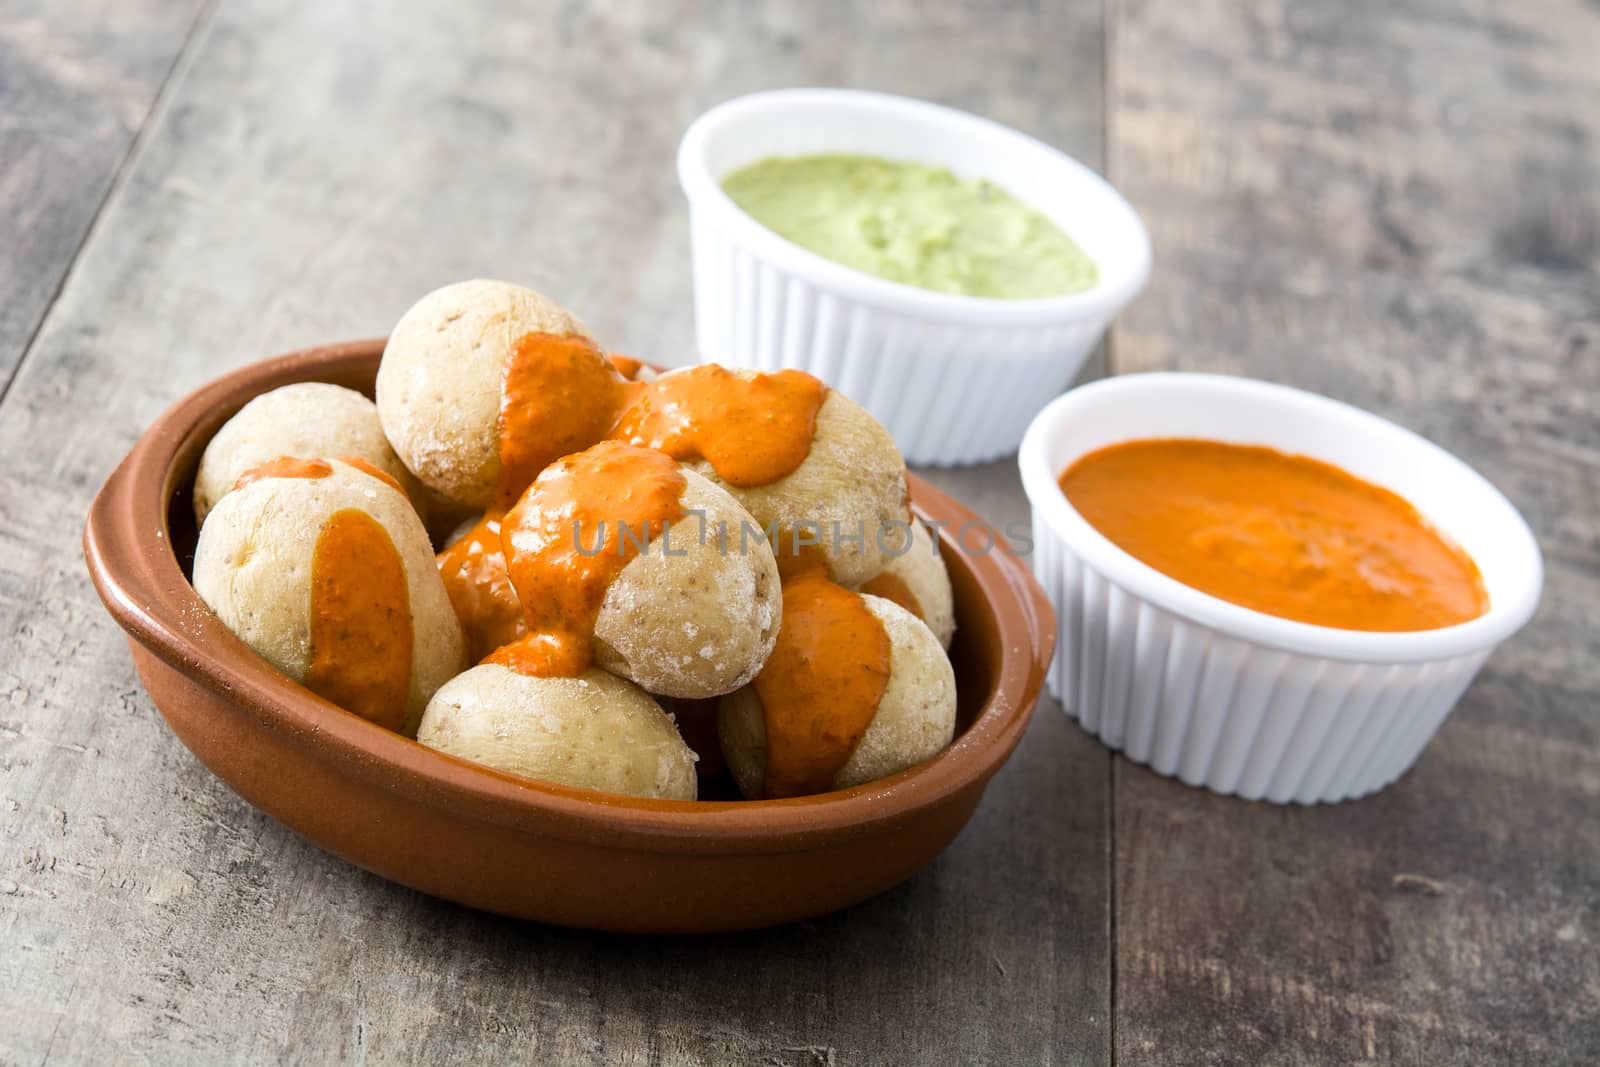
[1230, 698]
[955, 379]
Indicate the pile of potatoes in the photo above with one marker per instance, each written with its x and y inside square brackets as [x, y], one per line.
[689, 628]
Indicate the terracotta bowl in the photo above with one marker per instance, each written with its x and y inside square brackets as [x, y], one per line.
[514, 845]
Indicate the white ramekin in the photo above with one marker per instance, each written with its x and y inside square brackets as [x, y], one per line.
[955, 379]
[1227, 697]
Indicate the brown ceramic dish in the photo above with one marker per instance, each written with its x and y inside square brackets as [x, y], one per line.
[509, 844]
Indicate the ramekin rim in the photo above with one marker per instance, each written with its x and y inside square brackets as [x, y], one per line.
[1102, 301]
[1505, 616]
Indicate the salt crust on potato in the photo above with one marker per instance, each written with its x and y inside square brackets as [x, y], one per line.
[595, 731]
[915, 720]
[853, 477]
[307, 420]
[699, 622]
[440, 380]
[252, 565]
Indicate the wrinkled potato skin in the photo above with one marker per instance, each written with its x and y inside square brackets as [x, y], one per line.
[253, 562]
[853, 476]
[307, 420]
[594, 731]
[916, 718]
[440, 381]
[698, 624]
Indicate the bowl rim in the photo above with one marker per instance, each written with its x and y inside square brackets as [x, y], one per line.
[1505, 616]
[704, 191]
[128, 549]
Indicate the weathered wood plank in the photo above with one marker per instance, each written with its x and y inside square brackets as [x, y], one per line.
[77, 80]
[317, 167]
[1395, 204]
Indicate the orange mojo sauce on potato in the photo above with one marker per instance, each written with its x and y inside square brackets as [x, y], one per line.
[581, 442]
[361, 635]
[530, 601]
[1284, 535]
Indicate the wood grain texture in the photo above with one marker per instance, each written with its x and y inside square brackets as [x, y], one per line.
[1397, 205]
[77, 81]
[312, 169]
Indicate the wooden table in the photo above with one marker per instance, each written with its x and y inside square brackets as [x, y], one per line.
[1392, 203]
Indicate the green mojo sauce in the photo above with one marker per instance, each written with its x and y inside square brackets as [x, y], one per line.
[913, 224]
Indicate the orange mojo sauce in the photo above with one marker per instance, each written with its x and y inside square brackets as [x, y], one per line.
[360, 620]
[753, 431]
[822, 684]
[360, 605]
[562, 560]
[1285, 535]
[893, 587]
[285, 467]
[290, 467]
[560, 395]
[626, 366]
[377, 472]
[480, 590]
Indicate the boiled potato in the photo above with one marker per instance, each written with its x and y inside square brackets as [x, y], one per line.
[915, 719]
[853, 481]
[441, 378]
[473, 569]
[698, 624]
[691, 615]
[304, 419]
[258, 566]
[914, 576]
[594, 731]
